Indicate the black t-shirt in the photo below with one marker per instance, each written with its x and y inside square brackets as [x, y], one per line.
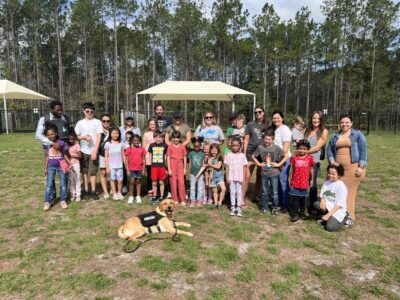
[254, 130]
[158, 152]
[163, 122]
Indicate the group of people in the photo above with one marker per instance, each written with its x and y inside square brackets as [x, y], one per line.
[287, 161]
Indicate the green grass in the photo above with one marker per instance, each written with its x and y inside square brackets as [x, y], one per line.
[76, 253]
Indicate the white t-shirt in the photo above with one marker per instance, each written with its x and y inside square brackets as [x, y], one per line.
[88, 127]
[211, 134]
[335, 193]
[283, 134]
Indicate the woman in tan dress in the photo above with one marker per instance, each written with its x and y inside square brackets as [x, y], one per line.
[348, 147]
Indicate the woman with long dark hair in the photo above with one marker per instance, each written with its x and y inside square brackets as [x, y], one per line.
[105, 122]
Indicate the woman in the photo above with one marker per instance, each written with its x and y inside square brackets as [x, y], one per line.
[148, 138]
[129, 126]
[209, 130]
[317, 135]
[106, 122]
[349, 148]
[283, 138]
[253, 137]
[178, 125]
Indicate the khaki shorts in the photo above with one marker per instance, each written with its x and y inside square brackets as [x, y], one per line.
[89, 166]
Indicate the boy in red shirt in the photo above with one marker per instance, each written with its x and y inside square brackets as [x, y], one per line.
[301, 174]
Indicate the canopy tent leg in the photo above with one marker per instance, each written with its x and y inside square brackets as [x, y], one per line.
[5, 111]
[233, 105]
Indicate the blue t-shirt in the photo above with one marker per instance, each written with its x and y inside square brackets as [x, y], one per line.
[197, 159]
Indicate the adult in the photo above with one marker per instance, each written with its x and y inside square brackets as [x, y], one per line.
[89, 132]
[129, 125]
[209, 130]
[283, 138]
[148, 138]
[317, 135]
[253, 137]
[348, 147]
[162, 121]
[182, 128]
[105, 122]
[232, 121]
[61, 121]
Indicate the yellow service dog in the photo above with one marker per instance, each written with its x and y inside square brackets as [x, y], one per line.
[158, 221]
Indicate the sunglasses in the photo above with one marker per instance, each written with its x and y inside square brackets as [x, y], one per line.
[208, 117]
[258, 112]
[106, 121]
[89, 111]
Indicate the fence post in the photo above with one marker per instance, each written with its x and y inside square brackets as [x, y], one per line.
[395, 121]
[369, 121]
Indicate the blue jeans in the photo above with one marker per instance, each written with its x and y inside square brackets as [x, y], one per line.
[284, 184]
[51, 175]
[200, 187]
[313, 195]
[266, 189]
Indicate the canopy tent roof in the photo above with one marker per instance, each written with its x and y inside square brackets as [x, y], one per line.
[11, 90]
[193, 90]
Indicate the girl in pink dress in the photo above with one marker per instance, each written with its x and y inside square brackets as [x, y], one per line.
[148, 138]
[74, 175]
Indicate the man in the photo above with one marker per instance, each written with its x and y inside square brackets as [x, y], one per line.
[89, 132]
[232, 120]
[163, 121]
[57, 118]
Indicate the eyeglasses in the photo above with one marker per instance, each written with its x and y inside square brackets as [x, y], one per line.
[208, 117]
[89, 111]
[258, 112]
[106, 121]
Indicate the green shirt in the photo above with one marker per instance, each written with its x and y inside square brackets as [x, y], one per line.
[196, 159]
[226, 151]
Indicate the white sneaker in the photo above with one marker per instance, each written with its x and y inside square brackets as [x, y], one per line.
[106, 196]
[239, 212]
[130, 200]
[120, 196]
[233, 211]
[124, 190]
[116, 196]
[169, 195]
[138, 200]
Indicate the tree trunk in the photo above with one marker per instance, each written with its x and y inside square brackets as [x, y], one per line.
[116, 108]
[265, 80]
[286, 87]
[308, 89]
[59, 54]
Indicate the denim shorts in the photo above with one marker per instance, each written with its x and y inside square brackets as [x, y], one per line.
[298, 192]
[117, 174]
[217, 180]
[136, 174]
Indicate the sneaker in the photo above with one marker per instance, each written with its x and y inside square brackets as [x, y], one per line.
[274, 212]
[233, 211]
[46, 206]
[138, 200]
[116, 197]
[64, 204]
[349, 222]
[130, 200]
[264, 211]
[78, 198]
[94, 195]
[72, 198]
[294, 218]
[199, 203]
[192, 203]
[239, 212]
[86, 195]
[124, 190]
[303, 216]
[120, 196]
[320, 222]
[210, 201]
[183, 203]
[169, 195]
[154, 201]
[106, 196]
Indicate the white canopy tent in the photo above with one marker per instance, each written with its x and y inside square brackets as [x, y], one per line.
[193, 90]
[11, 90]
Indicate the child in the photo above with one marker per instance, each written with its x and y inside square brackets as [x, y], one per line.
[301, 174]
[298, 130]
[196, 158]
[55, 162]
[127, 144]
[333, 199]
[228, 149]
[148, 138]
[176, 159]
[240, 128]
[89, 132]
[157, 151]
[216, 175]
[235, 163]
[74, 175]
[272, 158]
[207, 194]
[114, 150]
[135, 166]
[128, 138]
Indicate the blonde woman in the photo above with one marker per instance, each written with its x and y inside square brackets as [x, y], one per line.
[209, 130]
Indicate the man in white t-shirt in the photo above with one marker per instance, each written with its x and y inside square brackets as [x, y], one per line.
[89, 132]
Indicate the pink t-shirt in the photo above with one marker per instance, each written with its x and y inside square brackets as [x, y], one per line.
[177, 152]
[301, 171]
[148, 138]
[74, 152]
[135, 158]
[235, 161]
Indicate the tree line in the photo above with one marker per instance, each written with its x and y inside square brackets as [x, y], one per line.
[106, 51]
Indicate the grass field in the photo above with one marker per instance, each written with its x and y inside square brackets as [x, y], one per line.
[75, 253]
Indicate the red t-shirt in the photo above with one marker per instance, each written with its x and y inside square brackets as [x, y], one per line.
[301, 171]
[135, 158]
[177, 152]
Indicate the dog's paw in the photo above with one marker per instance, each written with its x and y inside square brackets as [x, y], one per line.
[190, 234]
